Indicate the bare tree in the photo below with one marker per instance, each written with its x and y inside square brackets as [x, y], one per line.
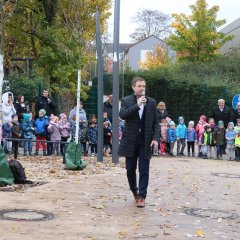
[150, 22]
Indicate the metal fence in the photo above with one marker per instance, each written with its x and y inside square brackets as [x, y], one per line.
[189, 101]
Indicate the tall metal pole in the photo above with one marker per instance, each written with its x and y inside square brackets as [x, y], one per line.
[78, 107]
[100, 89]
[123, 66]
[115, 139]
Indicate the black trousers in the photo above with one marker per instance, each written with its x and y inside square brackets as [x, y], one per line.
[189, 146]
[15, 149]
[143, 167]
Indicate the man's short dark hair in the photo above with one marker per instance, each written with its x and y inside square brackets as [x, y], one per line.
[136, 79]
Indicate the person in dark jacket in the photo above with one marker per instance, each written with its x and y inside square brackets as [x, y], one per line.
[162, 112]
[107, 107]
[44, 102]
[236, 114]
[222, 113]
[140, 135]
[21, 107]
[219, 139]
[16, 133]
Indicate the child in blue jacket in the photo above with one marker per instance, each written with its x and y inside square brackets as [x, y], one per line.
[191, 137]
[28, 133]
[171, 136]
[181, 136]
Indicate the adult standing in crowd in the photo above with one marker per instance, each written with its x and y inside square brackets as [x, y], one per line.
[236, 114]
[21, 107]
[82, 114]
[107, 107]
[45, 102]
[140, 135]
[222, 113]
[8, 108]
[162, 112]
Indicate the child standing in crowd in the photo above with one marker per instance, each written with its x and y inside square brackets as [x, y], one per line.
[64, 128]
[237, 146]
[28, 131]
[181, 136]
[171, 136]
[237, 130]
[55, 135]
[7, 133]
[83, 137]
[207, 139]
[219, 139]
[92, 138]
[163, 136]
[191, 137]
[200, 131]
[212, 151]
[41, 131]
[230, 137]
[16, 133]
[107, 134]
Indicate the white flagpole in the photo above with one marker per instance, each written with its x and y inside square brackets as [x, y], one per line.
[78, 106]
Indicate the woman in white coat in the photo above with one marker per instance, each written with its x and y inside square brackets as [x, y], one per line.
[7, 107]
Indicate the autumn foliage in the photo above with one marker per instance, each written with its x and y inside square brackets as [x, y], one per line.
[196, 37]
[155, 59]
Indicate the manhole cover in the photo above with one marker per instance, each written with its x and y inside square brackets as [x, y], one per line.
[226, 175]
[210, 213]
[25, 215]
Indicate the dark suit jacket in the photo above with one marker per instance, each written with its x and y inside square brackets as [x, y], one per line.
[226, 115]
[129, 113]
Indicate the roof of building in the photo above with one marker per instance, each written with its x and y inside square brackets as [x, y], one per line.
[231, 26]
[144, 39]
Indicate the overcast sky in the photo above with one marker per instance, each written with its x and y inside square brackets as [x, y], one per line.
[229, 10]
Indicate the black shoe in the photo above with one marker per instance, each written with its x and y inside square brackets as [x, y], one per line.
[36, 154]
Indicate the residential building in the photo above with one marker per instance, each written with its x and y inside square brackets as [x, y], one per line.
[231, 29]
[137, 52]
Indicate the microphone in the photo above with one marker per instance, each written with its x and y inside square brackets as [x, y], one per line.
[143, 94]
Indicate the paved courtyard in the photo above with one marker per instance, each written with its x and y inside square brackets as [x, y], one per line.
[96, 203]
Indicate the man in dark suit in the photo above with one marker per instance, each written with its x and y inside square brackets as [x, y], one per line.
[140, 135]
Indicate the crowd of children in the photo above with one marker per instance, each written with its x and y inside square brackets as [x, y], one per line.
[211, 139]
[58, 130]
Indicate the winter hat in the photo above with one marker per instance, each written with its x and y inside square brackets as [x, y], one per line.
[62, 115]
[191, 123]
[203, 117]
[172, 123]
[13, 116]
[220, 123]
[26, 117]
[180, 118]
[231, 124]
[168, 119]
[43, 111]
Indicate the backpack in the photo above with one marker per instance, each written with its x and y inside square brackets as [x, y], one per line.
[18, 172]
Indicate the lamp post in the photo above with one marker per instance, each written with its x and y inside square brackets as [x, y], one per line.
[100, 90]
[115, 140]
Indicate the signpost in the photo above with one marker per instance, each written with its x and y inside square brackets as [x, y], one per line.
[235, 101]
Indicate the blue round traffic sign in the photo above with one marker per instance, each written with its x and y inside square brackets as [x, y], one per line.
[235, 101]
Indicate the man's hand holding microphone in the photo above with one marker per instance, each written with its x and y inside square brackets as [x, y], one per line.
[142, 99]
